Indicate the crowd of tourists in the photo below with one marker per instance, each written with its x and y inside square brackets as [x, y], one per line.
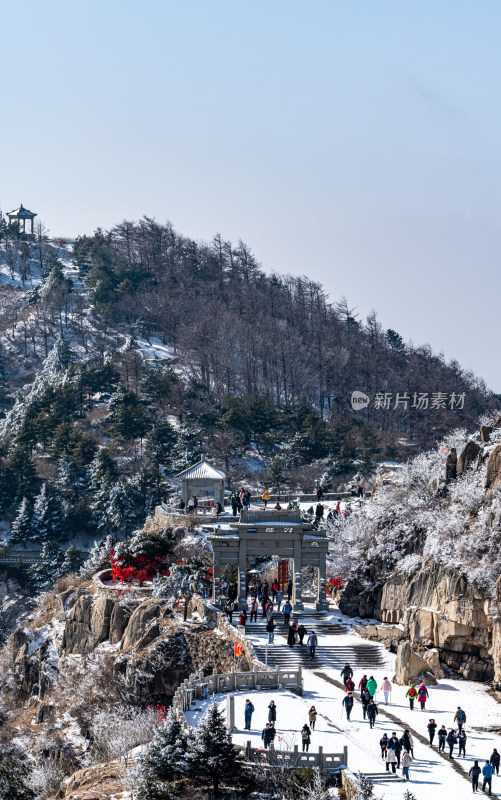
[269, 731]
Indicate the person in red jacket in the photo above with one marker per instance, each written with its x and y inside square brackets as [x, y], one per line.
[423, 696]
[363, 682]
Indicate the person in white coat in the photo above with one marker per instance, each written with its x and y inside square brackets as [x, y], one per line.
[391, 758]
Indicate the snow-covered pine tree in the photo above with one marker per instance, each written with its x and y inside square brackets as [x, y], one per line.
[365, 787]
[22, 528]
[45, 573]
[99, 555]
[167, 747]
[48, 516]
[73, 560]
[210, 757]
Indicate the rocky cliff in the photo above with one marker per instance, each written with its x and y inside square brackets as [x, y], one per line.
[432, 556]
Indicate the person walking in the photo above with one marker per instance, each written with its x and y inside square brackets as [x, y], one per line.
[229, 608]
[348, 704]
[383, 744]
[268, 735]
[363, 682]
[253, 609]
[452, 741]
[386, 688]
[423, 696]
[312, 717]
[390, 757]
[442, 737]
[301, 632]
[487, 771]
[460, 718]
[287, 612]
[372, 712]
[406, 763]
[346, 673]
[279, 600]
[395, 745]
[411, 693]
[305, 737]
[272, 713]
[432, 727]
[265, 497]
[274, 589]
[494, 759]
[462, 743]
[365, 699]
[270, 629]
[407, 742]
[372, 686]
[350, 686]
[474, 774]
[243, 618]
[248, 712]
[312, 643]
[291, 636]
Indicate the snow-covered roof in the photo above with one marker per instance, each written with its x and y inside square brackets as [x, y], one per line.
[202, 470]
[21, 212]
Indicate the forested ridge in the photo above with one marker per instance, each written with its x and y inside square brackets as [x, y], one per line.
[128, 354]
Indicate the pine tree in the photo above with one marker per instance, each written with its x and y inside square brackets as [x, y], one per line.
[45, 573]
[210, 757]
[365, 787]
[277, 477]
[48, 516]
[165, 750]
[73, 560]
[99, 554]
[22, 527]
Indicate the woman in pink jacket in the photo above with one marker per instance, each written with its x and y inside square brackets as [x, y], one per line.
[386, 689]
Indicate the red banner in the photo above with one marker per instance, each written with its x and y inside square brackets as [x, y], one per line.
[283, 574]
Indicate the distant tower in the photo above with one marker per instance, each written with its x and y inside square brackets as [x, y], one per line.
[21, 214]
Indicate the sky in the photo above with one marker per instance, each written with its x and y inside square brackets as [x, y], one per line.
[354, 141]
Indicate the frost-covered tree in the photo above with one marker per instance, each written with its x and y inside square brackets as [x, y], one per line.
[165, 750]
[43, 574]
[117, 732]
[73, 560]
[22, 527]
[184, 579]
[210, 757]
[14, 776]
[99, 555]
[48, 516]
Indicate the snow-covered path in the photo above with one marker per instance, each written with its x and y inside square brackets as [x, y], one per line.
[431, 774]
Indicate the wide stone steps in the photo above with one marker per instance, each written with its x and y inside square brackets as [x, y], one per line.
[326, 628]
[384, 777]
[363, 656]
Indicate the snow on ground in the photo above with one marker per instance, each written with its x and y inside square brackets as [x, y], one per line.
[153, 349]
[431, 775]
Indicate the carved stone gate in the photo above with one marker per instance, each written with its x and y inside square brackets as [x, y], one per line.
[270, 533]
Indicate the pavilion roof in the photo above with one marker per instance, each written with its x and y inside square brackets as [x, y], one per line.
[21, 212]
[202, 470]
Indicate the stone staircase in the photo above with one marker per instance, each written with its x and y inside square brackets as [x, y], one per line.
[362, 656]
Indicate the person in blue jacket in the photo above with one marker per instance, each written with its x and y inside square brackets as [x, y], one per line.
[248, 711]
[487, 771]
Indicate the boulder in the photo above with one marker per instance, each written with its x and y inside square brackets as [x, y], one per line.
[497, 423]
[119, 620]
[451, 465]
[87, 624]
[432, 658]
[45, 712]
[485, 433]
[469, 454]
[493, 476]
[140, 621]
[389, 635]
[408, 664]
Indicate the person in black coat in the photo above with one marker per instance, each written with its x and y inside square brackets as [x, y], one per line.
[268, 735]
[348, 704]
[442, 737]
[346, 673]
[452, 741]
[372, 712]
[407, 742]
[432, 727]
[305, 737]
[301, 632]
[272, 713]
[462, 743]
[291, 636]
[365, 699]
[495, 759]
[383, 743]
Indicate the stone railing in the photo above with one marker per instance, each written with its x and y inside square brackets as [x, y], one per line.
[200, 687]
[293, 759]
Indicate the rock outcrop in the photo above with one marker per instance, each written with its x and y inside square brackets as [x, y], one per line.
[469, 454]
[409, 665]
[493, 476]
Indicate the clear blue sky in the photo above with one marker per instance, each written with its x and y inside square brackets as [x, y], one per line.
[355, 141]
